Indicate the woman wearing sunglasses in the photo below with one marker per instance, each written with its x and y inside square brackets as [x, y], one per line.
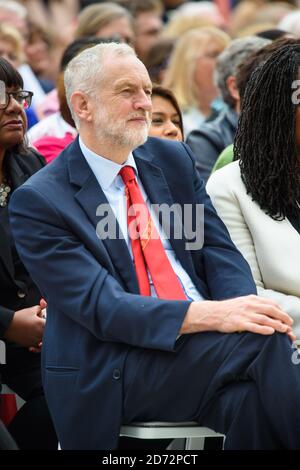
[21, 306]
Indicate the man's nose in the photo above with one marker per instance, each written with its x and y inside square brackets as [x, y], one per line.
[143, 101]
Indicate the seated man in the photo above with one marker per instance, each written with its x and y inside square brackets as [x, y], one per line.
[138, 316]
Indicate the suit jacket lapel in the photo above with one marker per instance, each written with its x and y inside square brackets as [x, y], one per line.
[159, 193]
[90, 197]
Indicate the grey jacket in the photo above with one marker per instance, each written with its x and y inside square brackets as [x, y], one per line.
[211, 139]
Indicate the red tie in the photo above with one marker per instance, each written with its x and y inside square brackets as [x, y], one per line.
[147, 248]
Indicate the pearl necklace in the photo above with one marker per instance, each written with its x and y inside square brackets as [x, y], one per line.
[4, 194]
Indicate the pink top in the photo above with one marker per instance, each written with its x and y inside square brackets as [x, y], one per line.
[50, 146]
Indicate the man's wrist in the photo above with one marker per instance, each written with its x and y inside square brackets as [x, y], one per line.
[199, 317]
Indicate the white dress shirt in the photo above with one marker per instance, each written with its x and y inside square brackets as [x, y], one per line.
[107, 174]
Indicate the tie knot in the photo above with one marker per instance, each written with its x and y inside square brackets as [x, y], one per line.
[127, 174]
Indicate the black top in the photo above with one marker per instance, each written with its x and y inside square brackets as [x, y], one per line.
[17, 291]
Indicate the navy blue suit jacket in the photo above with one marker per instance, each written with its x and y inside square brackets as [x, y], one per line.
[95, 313]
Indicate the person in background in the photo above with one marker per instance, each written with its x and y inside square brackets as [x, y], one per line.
[243, 74]
[290, 23]
[55, 132]
[21, 307]
[11, 45]
[147, 22]
[273, 34]
[166, 115]
[12, 49]
[157, 59]
[211, 138]
[204, 11]
[14, 14]
[37, 50]
[257, 196]
[105, 20]
[190, 74]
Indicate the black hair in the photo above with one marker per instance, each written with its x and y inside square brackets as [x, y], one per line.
[9, 75]
[245, 68]
[167, 94]
[12, 79]
[265, 142]
[272, 34]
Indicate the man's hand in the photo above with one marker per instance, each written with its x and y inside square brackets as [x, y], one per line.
[26, 327]
[250, 313]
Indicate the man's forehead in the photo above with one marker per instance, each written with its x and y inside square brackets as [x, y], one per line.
[126, 69]
[132, 79]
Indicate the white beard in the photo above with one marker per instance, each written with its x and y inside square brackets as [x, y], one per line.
[119, 133]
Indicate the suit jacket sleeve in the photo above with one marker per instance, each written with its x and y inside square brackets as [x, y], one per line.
[74, 283]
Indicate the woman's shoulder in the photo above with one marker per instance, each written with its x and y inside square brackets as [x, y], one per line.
[229, 175]
[30, 160]
[24, 163]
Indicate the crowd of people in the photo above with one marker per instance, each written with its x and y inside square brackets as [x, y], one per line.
[149, 219]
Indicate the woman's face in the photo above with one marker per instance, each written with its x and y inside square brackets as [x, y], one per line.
[204, 70]
[37, 54]
[8, 52]
[13, 123]
[165, 120]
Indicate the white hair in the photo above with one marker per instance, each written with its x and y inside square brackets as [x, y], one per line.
[206, 10]
[14, 7]
[86, 70]
[290, 23]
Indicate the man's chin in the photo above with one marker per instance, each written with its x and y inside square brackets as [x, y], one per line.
[138, 139]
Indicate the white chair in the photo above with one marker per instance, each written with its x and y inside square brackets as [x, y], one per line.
[193, 434]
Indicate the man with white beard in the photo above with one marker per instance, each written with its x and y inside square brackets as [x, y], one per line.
[141, 324]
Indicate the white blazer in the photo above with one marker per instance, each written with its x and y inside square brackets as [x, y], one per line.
[272, 248]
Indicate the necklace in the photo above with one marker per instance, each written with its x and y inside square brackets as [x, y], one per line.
[4, 194]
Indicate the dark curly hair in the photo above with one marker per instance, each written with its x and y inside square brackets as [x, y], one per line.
[265, 142]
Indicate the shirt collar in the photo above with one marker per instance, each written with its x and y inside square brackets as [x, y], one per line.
[105, 170]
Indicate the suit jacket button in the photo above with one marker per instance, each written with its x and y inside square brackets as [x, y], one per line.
[116, 374]
[21, 294]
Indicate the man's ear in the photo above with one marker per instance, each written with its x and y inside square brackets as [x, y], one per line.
[81, 106]
[231, 85]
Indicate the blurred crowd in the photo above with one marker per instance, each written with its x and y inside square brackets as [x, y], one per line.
[208, 61]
